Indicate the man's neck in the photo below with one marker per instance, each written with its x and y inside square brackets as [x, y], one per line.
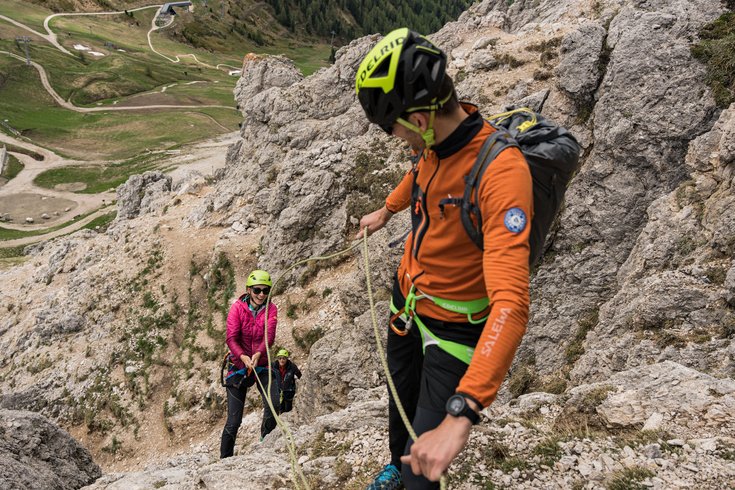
[446, 124]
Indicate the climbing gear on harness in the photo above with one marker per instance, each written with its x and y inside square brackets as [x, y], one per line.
[408, 314]
[403, 73]
[259, 277]
[552, 154]
[469, 308]
[235, 377]
[389, 478]
[460, 351]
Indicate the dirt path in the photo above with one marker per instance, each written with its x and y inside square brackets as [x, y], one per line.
[23, 183]
[204, 157]
[51, 37]
[72, 107]
[77, 225]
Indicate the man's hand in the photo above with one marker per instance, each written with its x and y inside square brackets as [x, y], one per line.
[245, 360]
[374, 221]
[433, 452]
[256, 358]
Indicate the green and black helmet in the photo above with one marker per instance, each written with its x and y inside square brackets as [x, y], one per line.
[402, 73]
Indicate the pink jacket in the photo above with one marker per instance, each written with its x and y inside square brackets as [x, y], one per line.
[245, 334]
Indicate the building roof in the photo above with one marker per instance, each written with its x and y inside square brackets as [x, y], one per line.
[167, 8]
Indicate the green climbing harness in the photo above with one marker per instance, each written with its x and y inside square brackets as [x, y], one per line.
[408, 315]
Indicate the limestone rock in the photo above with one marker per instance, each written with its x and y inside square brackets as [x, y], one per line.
[331, 385]
[579, 71]
[261, 72]
[142, 194]
[36, 454]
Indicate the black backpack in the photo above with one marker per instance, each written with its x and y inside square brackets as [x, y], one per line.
[552, 154]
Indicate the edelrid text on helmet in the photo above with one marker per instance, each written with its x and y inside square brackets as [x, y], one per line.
[259, 277]
[402, 73]
[373, 59]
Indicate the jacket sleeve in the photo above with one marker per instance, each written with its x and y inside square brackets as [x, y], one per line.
[506, 195]
[296, 370]
[234, 338]
[400, 198]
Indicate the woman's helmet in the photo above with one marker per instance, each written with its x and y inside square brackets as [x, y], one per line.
[282, 353]
[402, 73]
[259, 277]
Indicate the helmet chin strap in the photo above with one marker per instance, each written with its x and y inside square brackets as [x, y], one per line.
[428, 136]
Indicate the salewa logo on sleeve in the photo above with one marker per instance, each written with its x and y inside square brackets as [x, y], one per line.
[495, 329]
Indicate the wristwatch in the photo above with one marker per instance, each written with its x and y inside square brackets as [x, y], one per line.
[457, 406]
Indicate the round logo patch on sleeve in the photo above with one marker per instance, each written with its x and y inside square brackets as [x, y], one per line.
[515, 220]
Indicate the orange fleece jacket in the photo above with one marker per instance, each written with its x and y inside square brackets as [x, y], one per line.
[442, 260]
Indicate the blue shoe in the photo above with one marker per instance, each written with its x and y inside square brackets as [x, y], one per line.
[389, 478]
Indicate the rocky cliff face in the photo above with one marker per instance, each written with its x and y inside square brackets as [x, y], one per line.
[625, 373]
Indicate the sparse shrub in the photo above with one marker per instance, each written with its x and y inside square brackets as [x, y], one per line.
[221, 284]
[521, 380]
[555, 384]
[629, 478]
[542, 75]
[575, 348]
[715, 48]
[548, 50]
[291, 311]
[727, 329]
[342, 470]
[549, 451]
[716, 275]
[326, 292]
[306, 340]
[510, 60]
[149, 301]
[113, 447]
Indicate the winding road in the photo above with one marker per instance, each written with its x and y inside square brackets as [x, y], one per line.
[204, 157]
[67, 105]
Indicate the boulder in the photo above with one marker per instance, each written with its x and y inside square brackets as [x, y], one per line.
[142, 194]
[36, 454]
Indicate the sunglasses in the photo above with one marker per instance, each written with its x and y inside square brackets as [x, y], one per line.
[260, 290]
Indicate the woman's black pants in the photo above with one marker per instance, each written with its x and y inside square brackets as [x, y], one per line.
[235, 407]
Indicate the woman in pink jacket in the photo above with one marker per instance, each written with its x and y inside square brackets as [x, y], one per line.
[246, 335]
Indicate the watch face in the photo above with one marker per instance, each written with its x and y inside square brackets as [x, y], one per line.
[456, 404]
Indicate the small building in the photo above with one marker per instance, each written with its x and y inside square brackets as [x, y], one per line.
[168, 8]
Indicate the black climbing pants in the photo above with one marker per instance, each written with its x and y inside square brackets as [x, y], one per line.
[424, 381]
[287, 401]
[236, 405]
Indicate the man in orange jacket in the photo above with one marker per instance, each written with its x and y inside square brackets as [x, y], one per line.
[458, 312]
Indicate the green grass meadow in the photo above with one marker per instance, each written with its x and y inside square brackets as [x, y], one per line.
[103, 135]
[97, 178]
[12, 168]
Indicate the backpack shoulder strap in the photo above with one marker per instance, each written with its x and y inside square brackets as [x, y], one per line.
[491, 148]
